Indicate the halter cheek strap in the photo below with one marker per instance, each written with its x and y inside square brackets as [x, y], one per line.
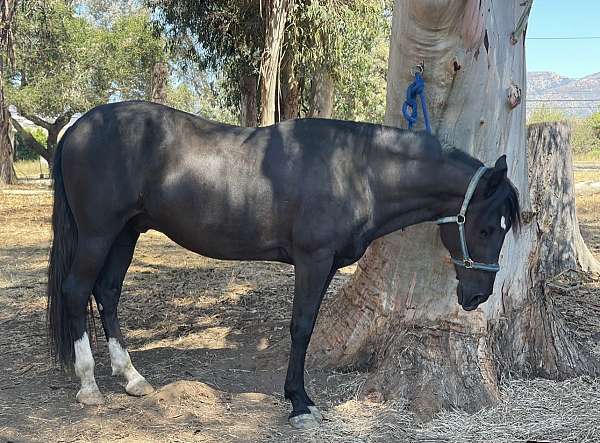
[460, 220]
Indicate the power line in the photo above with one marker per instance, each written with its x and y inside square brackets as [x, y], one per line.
[563, 100]
[552, 108]
[564, 38]
[563, 93]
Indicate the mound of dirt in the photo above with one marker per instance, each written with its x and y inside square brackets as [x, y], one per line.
[196, 404]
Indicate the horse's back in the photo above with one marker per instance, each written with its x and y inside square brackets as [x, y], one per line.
[220, 190]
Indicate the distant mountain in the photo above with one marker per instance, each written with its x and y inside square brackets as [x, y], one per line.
[551, 86]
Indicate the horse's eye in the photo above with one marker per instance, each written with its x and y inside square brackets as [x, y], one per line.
[484, 233]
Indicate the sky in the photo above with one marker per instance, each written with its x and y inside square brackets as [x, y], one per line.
[564, 18]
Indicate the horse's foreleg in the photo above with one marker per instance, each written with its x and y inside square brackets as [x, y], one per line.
[313, 275]
[76, 291]
[107, 292]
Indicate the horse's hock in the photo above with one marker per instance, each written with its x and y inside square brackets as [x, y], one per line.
[398, 317]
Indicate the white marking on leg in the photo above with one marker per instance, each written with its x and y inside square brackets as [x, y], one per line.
[121, 365]
[503, 223]
[84, 369]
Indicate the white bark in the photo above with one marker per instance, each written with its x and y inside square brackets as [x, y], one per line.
[276, 12]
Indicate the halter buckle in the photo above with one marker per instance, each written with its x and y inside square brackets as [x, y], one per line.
[468, 263]
[461, 219]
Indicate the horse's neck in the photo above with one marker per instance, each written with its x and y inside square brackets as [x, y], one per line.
[420, 196]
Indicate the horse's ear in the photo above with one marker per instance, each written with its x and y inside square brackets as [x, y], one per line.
[497, 175]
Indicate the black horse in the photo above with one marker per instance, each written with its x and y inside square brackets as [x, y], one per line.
[312, 193]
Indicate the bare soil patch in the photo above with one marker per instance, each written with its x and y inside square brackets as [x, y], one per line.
[203, 331]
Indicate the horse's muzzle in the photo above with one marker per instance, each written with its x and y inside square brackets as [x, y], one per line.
[472, 302]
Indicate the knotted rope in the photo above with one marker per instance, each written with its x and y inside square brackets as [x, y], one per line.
[410, 106]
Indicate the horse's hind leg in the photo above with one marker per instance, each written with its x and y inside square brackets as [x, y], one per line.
[107, 292]
[76, 290]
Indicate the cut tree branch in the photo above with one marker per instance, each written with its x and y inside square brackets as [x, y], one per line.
[29, 140]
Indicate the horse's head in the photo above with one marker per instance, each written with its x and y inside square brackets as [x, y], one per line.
[489, 210]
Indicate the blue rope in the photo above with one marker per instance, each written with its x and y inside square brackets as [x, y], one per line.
[409, 108]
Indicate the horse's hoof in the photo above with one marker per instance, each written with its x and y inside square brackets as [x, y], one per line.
[139, 387]
[316, 413]
[90, 397]
[304, 421]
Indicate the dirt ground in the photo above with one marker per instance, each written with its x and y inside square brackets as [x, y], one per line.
[200, 331]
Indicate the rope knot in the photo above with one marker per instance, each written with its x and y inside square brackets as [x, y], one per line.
[410, 106]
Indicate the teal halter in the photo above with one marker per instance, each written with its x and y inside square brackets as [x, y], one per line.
[460, 219]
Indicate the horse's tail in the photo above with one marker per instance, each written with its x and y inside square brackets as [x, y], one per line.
[64, 245]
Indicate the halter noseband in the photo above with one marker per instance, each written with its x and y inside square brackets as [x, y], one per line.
[460, 220]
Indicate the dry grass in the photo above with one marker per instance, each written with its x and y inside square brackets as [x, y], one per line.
[590, 156]
[587, 175]
[31, 169]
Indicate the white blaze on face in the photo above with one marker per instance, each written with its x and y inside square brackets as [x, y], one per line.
[84, 363]
[503, 223]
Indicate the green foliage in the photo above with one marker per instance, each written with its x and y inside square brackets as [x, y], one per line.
[585, 132]
[585, 137]
[22, 151]
[346, 38]
[361, 87]
[216, 34]
[198, 93]
[349, 39]
[595, 123]
[65, 64]
[131, 49]
[546, 114]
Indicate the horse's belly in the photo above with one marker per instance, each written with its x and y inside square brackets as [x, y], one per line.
[227, 242]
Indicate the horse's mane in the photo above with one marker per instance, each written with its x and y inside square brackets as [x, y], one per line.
[454, 153]
[506, 193]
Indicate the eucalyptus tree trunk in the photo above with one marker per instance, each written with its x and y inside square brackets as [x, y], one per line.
[160, 75]
[321, 95]
[290, 87]
[7, 172]
[399, 316]
[248, 109]
[7, 12]
[276, 12]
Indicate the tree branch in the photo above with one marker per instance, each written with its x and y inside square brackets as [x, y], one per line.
[35, 120]
[29, 140]
[62, 121]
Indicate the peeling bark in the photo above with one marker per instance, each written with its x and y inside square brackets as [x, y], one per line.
[398, 316]
[7, 172]
[248, 109]
[321, 95]
[160, 74]
[290, 88]
[276, 12]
